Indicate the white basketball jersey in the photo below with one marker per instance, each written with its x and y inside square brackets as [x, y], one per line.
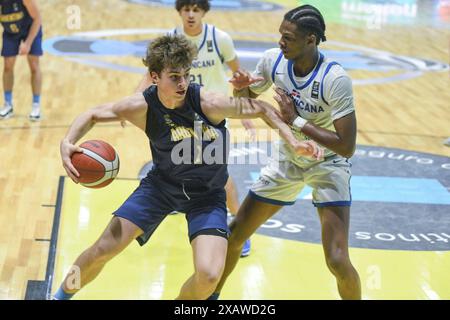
[320, 97]
[208, 70]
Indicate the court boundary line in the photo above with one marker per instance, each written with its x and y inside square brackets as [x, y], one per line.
[41, 289]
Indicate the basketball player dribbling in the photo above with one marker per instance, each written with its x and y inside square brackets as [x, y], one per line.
[175, 116]
[215, 50]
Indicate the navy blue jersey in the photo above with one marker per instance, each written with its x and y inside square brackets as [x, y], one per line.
[14, 17]
[187, 149]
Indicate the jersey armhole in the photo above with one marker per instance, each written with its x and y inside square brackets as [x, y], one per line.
[323, 79]
[146, 93]
[275, 66]
[222, 59]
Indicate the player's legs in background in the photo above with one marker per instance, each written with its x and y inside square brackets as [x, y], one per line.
[8, 84]
[335, 225]
[209, 253]
[233, 207]
[116, 237]
[36, 85]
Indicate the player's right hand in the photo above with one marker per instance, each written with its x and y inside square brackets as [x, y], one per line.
[242, 79]
[309, 148]
[66, 150]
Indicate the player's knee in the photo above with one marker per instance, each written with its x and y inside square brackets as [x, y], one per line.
[337, 262]
[34, 67]
[209, 276]
[8, 68]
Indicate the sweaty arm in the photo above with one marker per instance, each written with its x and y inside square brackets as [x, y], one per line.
[217, 107]
[133, 109]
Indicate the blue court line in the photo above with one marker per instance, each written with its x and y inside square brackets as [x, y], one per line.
[390, 189]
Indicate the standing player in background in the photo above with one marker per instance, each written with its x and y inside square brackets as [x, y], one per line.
[215, 48]
[316, 99]
[171, 113]
[22, 35]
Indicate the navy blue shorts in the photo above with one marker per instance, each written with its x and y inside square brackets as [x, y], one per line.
[11, 44]
[155, 198]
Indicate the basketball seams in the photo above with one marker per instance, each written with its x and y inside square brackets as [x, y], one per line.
[107, 165]
[98, 164]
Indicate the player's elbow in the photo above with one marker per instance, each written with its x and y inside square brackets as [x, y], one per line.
[348, 151]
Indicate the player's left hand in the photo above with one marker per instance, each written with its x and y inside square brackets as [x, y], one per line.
[242, 79]
[250, 127]
[24, 48]
[309, 148]
[286, 104]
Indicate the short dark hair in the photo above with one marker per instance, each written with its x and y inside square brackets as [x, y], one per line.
[170, 51]
[308, 18]
[202, 4]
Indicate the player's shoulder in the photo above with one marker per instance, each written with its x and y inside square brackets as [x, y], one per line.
[333, 69]
[271, 55]
[272, 52]
[219, 33]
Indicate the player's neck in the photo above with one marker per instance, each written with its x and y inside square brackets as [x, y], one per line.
[170, 103]
[193, 32]
[304, 65]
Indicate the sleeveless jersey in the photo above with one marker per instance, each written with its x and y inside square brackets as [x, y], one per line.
[208, 70]
[14, 17]
[186, 148]
[320, 97]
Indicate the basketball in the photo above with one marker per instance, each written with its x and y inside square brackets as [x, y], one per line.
[98, 165]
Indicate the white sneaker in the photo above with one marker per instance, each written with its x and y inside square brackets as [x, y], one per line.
[35, 114]
[447, 142]
[6, 112]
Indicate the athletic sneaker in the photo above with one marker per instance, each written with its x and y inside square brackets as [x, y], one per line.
[246, 249]
[35, 114]
[447, 142]
[6, 111]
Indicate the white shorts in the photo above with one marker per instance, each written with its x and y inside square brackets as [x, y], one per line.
[281, 182]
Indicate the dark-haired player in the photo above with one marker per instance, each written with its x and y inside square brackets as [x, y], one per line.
[316, 99]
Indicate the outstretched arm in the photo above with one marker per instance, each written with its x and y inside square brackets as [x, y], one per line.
[218, 107]
[132, 108]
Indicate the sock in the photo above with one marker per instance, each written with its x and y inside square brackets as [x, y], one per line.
[8, 97]
[37, 98]
[214, 296]
[62, 295]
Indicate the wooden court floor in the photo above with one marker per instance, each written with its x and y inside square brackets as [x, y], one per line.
[412, 114]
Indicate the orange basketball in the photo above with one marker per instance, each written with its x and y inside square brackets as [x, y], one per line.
[98, 165]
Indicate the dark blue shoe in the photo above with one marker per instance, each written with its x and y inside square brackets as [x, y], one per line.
[246, 249]
[214, 296]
